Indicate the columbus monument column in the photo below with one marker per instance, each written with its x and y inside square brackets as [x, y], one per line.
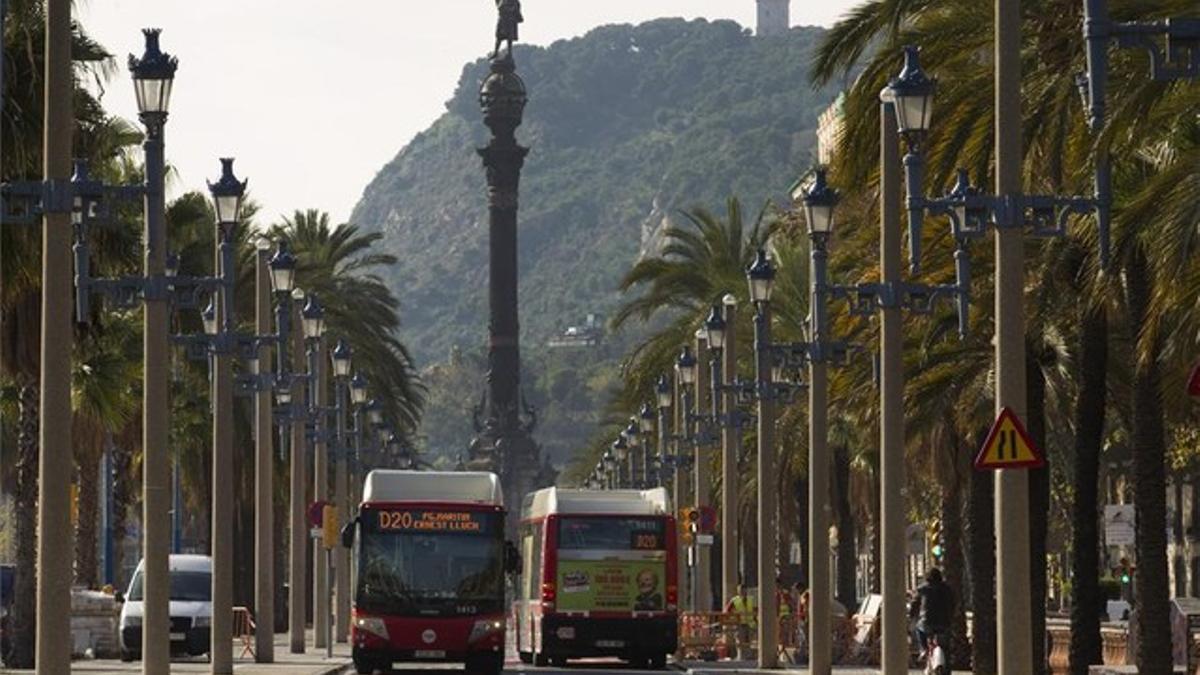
[503, 441]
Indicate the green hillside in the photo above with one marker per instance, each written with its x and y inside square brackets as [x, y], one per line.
[627, 124]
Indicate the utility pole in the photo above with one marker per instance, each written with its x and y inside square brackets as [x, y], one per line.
[895, 636]
[1013, 601]
[703, 601]
[264, 484]
[731, 442]
[298, 526]
[54, 542]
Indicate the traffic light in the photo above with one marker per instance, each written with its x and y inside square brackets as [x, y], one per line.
[1125, 571]
[935, 540]
[689, 519]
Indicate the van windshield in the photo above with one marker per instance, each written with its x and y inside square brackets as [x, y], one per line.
[185, 586]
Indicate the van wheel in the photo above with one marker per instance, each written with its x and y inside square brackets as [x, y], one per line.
[526, 657]
[541, 660]
[657, 662]
[558, 661]
[126, 655]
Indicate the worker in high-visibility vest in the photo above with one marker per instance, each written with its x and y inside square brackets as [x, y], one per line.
[744, 608]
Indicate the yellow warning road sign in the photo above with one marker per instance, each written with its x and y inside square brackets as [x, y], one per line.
[1008, 446]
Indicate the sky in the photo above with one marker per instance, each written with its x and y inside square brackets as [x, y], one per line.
[313, 97]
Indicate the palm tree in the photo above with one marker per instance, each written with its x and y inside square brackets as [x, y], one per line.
[338, 264]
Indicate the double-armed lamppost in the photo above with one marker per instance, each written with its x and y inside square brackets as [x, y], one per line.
[1010, 212]
[340, 359]
[85, 202]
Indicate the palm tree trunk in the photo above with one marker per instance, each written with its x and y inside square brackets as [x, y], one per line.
[125, 485]
[24, 619]
[953, 567]
[86, 529]
[1086, 600]
[802, 534]
[876, 552]
[981, 530]
[847, 550]
[1039, 503]
[1150, 487]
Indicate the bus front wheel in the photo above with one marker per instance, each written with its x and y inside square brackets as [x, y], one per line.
[657, 662]
[541, 660]
[485, 664]
[526, 657]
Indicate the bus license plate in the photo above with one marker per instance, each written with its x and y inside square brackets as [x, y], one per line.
[430, 654]
[610, 644]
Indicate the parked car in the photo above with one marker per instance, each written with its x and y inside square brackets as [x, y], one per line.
[191, 607]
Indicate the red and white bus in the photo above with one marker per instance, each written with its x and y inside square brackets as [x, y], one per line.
[430, 561]
[600, 577]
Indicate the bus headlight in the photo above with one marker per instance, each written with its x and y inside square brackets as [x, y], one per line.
[373, 625]
[484, 628]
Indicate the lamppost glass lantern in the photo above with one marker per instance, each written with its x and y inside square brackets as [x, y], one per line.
[340, 358]
[283, 268]
[209, 317]
[761, 275]
[172, 265]
[663, 392]
[153, 75]
[685, 366]
[647, 418]
[714, 328]
[819, 201]
[632, 433]
[620, 449]
[283, 392]
[313, 316]
[912, 95]
[358, 389]
[375, 412]
[227, 194]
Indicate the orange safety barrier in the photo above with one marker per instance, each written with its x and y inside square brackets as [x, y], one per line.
[243, 629]
[707, 635]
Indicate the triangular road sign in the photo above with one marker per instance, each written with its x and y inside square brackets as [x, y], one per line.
[1194, 382]
[1008, 446]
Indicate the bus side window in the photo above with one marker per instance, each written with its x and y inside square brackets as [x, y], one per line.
[527, 566]
[535, 570]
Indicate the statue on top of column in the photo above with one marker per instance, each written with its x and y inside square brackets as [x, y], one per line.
[508, 24]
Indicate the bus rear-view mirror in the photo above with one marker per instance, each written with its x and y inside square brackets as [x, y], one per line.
[348, 533]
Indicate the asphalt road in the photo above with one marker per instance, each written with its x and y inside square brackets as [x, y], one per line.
[596, 667]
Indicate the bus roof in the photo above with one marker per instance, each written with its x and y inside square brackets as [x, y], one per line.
[610, 502]
[456, 487]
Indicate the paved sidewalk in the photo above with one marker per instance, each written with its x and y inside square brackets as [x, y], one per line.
[312, 662]
[751, 668]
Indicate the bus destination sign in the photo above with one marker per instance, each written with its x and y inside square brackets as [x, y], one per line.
[461, 522]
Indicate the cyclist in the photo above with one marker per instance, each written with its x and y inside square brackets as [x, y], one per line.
[933, 607]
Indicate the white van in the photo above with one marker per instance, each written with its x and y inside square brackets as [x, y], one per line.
[191, 607]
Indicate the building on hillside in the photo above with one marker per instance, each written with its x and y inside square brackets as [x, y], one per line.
[590, 334]
[829, 129]
[773, 18]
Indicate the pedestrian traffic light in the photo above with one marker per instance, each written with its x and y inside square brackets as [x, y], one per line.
[1125, 571]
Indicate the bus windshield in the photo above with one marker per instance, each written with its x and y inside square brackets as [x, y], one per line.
[431, 562]
[611, 534]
